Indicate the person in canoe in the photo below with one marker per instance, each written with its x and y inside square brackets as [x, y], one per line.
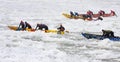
[24, 26]
[108, 33]
[76, 14]
[101, 12]
[86, 17]
[60, 29]
[28, 25]
[72, 14]
[113, 13]
[41, 27]
[89, 12]
[21, 26]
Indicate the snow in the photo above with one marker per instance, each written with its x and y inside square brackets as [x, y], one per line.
[23, 46]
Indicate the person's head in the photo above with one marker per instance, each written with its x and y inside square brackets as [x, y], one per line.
[21, 21]
[111, 10]
[71, 12]
[103, 30]
[25, 22]
[37, 23]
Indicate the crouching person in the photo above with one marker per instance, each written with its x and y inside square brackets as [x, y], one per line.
[41, 27]
[108, 33]
[24, 26]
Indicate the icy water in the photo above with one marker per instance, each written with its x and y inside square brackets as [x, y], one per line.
[23, 46]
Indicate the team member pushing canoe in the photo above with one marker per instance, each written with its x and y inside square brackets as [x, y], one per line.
[108, 33]
[41, 27]
[24, 26]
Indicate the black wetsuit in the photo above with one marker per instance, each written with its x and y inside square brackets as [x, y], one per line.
[41, 27]
[27, 25]
[108, 33]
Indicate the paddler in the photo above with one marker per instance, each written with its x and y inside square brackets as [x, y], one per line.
[24, 26]
[61, 29]
[108, 33]
[41, 27]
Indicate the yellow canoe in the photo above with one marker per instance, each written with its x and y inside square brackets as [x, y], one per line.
[33, 30]
[54, 31]
[15, 28]
[69, 16]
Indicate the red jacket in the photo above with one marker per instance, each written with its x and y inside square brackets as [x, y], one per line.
[89, 12]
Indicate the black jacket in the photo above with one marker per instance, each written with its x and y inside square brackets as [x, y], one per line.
[61, 28]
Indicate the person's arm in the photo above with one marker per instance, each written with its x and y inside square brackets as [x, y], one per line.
[63, 28]
[36, 27]
[19, 26]
[58, 28]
